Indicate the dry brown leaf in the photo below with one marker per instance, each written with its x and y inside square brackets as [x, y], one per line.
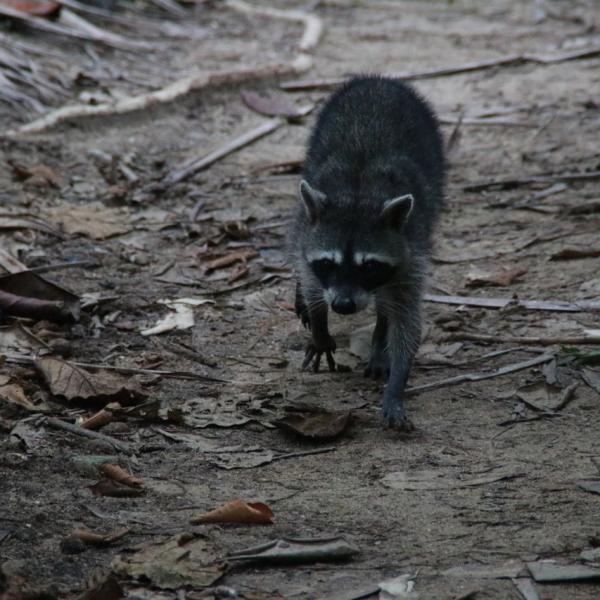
[243, 255]
[502, 277]
[237, 511]
[119, 474]
[238, 273]
[315, 424]
[108, 487]
[99, 539]
[92, 219]
[13, 393]
[74, 383]
[36, 175]
[28, 295]
[272, 104]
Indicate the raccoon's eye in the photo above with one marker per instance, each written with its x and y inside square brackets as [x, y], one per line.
[375, 273]
[323, 266]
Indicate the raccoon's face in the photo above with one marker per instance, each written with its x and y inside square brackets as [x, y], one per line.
[353, 255]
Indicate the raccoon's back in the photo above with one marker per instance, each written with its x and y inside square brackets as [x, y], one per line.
[374, 125]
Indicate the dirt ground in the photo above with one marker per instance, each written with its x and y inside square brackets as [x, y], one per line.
[487, 483]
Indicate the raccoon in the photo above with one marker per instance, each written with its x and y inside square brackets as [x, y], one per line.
[371, 193]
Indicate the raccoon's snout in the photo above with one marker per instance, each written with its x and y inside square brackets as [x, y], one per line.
[344, 305]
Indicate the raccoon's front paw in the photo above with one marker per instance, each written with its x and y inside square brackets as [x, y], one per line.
[379, 364]
[394, 416]
[314, 353]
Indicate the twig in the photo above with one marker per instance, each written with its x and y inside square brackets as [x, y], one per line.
[75, 264]
[509, 184]
[93, 435]
[10, 263]
[171, 7]
[128, 371]
[166, 94]
[503, 61]
[75, 27]
[305, 453]
[313, 26]
[197, 164]
[451, 381]
[536, 341]
[550, 305]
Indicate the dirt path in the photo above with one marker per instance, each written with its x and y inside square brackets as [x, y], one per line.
[471, 496]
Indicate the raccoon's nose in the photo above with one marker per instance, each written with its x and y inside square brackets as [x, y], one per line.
[344, 306]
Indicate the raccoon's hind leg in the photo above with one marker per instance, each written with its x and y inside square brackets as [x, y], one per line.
[379, 362]
[322, 342]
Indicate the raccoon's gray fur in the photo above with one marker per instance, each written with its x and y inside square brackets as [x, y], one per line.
[370, 196]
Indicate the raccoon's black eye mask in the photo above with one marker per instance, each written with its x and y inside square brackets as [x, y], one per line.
[323, 267]
[374, 274]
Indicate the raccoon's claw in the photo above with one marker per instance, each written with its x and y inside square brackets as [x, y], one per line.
[394, 417]
[313, 355]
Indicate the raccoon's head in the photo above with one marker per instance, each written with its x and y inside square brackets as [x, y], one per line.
[353, 249]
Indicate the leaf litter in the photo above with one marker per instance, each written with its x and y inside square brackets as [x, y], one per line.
[237, 511]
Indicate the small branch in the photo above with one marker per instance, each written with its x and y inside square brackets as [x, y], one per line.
[550, 305]
[305, 453]
[509, 184]
[503, 61]
[532, 341]
[128, 371]
[197, 164]
[93, 435]
[467, 377]
[168, 93]
[75, 264]
[313, 26]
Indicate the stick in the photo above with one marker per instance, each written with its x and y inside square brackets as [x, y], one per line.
[10, 263]
[127, 371]
[166, 94]
[171, 7]
[305, 453]
[197, 164]
[536, 341]
[451, 381]
[93, 435]
[76, 264]
[313, 26]
[508, 184]
[76, 27]
[550, 305]
[503, 61]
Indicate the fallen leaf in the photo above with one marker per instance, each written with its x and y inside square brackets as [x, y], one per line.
[589, 485]
[245, 458]
[592, 377]
[237, 511]
[28, 295]
[25, 221]
[273, 104]
[108, 487]
[99, 539]
[119, 475]
[545, 397]
[546, 571]
[13, 393]
[398, 588]
[238, 273]
[36, 175]
[243, 255]
[526, 588]
[314, 423]
[506, 570]
[439, 480]
[220, 412]
[182, 318]
[478, 277]
[74, 383]
[182, 560]
[92, 219]
[29, 435]
[297, 550]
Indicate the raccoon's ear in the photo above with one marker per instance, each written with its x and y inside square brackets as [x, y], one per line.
[314, 201]
[396, 211]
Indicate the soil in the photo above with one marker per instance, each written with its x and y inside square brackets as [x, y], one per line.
[549, 120]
